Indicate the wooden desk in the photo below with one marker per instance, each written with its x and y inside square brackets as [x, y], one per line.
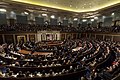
[35, 53]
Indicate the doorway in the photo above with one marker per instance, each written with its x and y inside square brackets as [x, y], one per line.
[21, 39]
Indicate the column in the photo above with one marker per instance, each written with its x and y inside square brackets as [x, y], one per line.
[3, 37]
[56, 37]
[65, 36]
[112, 38]
[79, 35]
[14, 38]
[27, 37]
[103, 37]
[72, 36]
[90, 36]
[41, 37]
[45, 38]
[95, 36]
[36, 39]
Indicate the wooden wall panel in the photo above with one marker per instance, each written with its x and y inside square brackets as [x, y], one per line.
[116, 38]
[99, 37]
[9, 39]
[108, 37]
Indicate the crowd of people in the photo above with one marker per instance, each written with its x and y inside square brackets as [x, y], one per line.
[94, 60]
[34, 27]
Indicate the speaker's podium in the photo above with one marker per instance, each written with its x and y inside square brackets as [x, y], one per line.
[48, 35]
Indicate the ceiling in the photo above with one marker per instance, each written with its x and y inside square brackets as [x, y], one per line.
[73, 5]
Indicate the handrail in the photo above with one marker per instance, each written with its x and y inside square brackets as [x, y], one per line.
[68, 76]
[105, 60]
[16, 69]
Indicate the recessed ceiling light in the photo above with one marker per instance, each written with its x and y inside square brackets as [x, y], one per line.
[113, 14]
[75, 19]
[84, 20]
[26, 13]
[44, 14]
[3, 10]
[52, 16]
[95, 17]
[92, 19]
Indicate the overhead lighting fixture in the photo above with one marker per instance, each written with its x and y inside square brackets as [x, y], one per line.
[70, 5]
[52, 16]
[95, 17]
[92, 20]
[3, 10]
[26, 13]
[84, 20]
[75, 19]
[113, 14]
[44, 14]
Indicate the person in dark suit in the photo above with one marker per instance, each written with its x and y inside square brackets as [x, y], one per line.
[20, 74]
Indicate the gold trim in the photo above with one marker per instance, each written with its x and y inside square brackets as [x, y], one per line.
[18, 38]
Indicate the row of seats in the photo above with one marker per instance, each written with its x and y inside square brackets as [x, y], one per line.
[92, 58]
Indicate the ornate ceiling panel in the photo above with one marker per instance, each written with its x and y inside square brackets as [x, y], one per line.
[73, 5]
